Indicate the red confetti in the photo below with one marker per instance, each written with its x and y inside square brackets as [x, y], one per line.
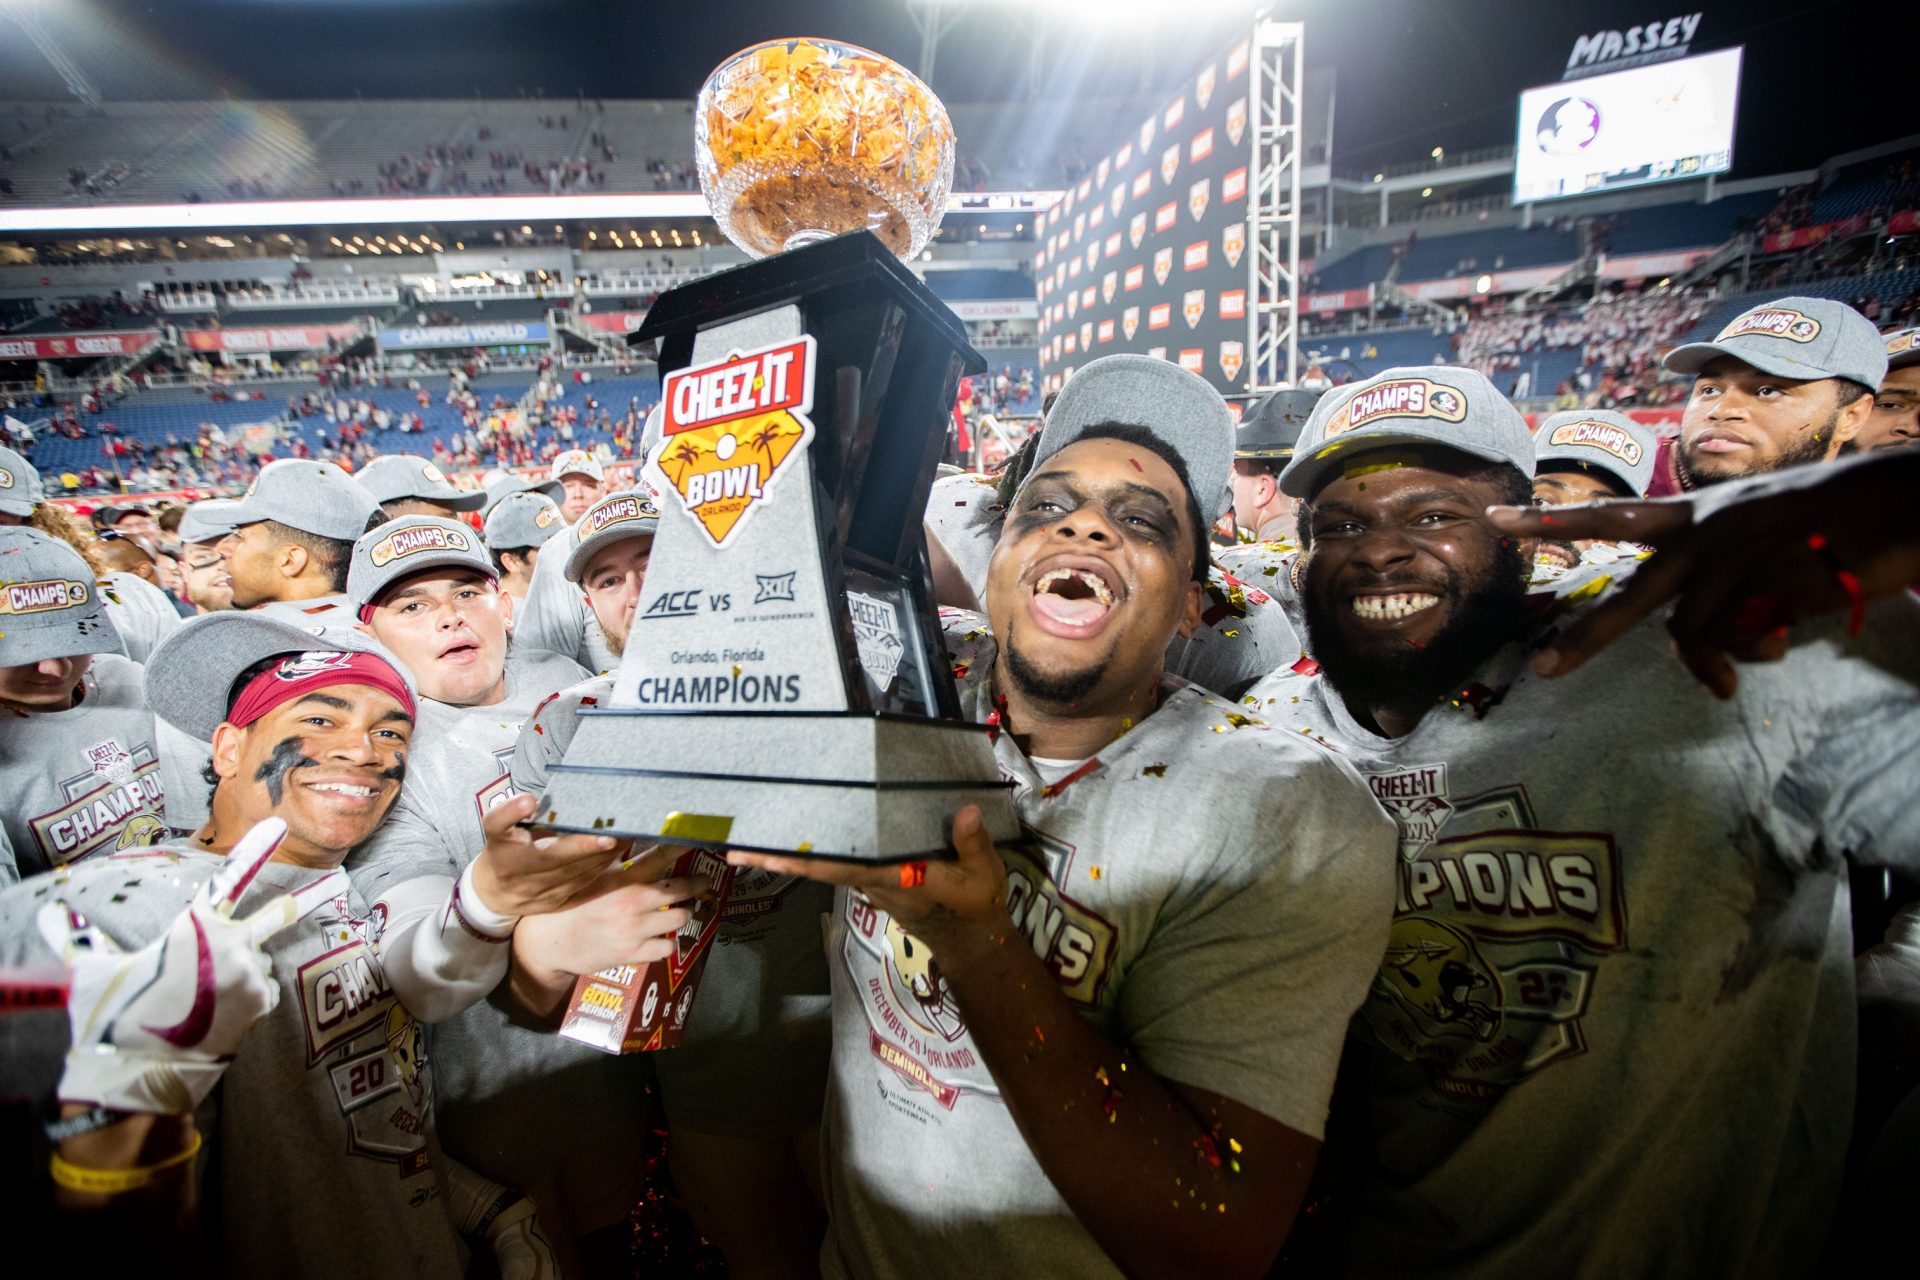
[1305, 667]
[1136, 465]
[1204, 1144]
[1055, 788]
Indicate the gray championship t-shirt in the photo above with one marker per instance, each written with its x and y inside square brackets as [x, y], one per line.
[84, 781]
[1613, 1034]
[1211, 892]
[516, 1101]
[753, 1061]
[555, 616]
[319, 1145]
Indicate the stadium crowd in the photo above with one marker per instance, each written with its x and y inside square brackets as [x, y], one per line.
[1388, 899]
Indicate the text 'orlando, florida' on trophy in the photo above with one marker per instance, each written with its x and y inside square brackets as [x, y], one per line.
[784, 687]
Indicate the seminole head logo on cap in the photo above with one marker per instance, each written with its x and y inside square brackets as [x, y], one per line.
[43, 596]
[1896, 344]
[406, 542]
[1604, 436]
[1773, 322]
[1399, 398]
[298, 666]
[545, 516]
[6, 478]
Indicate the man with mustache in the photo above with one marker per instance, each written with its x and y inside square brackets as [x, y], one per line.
[1108, 1048]
[1785, 383]
[1895, 421]
[1613, 1031]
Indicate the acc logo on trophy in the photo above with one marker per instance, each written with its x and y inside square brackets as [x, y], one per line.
[731, 427]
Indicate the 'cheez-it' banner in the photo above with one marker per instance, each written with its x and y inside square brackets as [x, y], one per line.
[313, 337]
[68, 346]
[1157, 229]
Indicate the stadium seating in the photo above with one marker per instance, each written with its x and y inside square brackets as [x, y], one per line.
[1504, 249]
[1888, 286]
[1684, 226]
[1865, 185]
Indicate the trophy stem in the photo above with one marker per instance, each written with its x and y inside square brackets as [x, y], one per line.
[801, 239]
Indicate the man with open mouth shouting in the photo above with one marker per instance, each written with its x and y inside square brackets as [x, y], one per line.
[1613, 1031]
[1109, 1047]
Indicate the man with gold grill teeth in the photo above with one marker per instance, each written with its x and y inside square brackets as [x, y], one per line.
[78, 747]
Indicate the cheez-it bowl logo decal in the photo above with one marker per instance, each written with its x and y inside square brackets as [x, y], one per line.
[731, 428]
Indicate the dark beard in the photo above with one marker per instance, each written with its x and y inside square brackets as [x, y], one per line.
[1411, 678]
[1810, 450]
[1060, 690]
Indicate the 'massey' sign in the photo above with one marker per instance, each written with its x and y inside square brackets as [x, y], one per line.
[1647, 42]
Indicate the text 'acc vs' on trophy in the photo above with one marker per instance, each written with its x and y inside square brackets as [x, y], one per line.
[784, 686]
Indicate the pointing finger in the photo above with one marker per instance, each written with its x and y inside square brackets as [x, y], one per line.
[1609, 521]
[271, 919]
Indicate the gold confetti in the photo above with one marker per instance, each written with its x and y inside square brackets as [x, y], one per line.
[1587, 590]
[1094, 872]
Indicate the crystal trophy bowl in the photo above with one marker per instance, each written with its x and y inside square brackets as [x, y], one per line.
[801, 140]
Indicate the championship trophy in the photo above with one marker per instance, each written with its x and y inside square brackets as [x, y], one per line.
[784, 687]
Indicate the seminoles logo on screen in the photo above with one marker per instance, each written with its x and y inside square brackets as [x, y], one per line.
[1398, 398]
[1604, 436]
[1236, 119]
[1567, 127]
[1197, 197]
[731, 428]
[1162, 265]
[1773, 322]
[1233, 242]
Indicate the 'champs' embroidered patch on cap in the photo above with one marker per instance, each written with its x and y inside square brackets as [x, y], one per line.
[1806, 339]
[50, 606]
[1399, 398]
[630, 513]
[1598, 435]
[1775, 322]
[411, 541]
[407, 546]
[38, 597]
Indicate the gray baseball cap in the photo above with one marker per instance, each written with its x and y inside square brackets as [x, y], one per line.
[190, 675]
[577, 462]
[1799, 338]
[506, 484]
[629, 513]
[1181, 409]
[1598, 439]
[208, 520]
[1271, 429]
[408, 475]
[522, 520]
[313, 497]
[1418, 405]
[50, 605]
[20, 487]
[1903, 348]
[401, 548]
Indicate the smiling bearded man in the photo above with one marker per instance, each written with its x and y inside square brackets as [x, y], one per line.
[1613, 1032]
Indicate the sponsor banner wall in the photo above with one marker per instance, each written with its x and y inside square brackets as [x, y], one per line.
[1903, 222]
[613, 321]
[1147, 253]
[1805, 237]
[66, 346]
[1000, 309]
[464, 335]
[312, 337]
